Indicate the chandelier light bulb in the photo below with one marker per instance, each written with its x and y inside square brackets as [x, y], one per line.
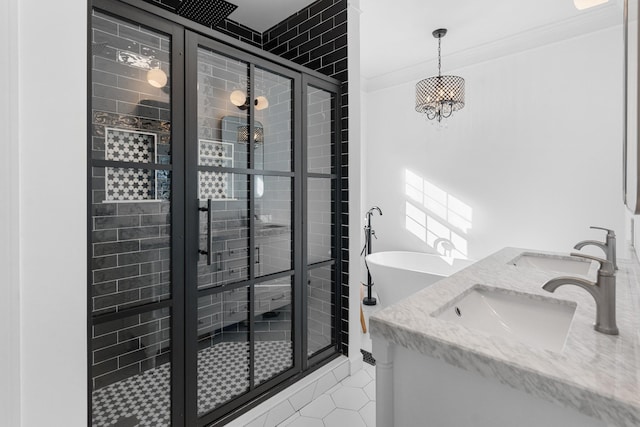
[157, 78]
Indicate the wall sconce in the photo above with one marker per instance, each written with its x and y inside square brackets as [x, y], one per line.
[155, 76]
[241, 100]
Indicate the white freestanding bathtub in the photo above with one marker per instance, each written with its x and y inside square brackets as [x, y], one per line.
[397, 274]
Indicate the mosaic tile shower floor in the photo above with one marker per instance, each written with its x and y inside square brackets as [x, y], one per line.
[143, 400]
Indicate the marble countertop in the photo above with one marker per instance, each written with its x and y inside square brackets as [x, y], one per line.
[596, 374]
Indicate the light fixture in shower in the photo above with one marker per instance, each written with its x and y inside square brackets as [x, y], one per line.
[241, 100]
[258, 135]
[156, 77]
[438, 97]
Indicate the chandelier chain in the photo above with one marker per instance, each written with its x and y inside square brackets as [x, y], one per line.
[439, 60]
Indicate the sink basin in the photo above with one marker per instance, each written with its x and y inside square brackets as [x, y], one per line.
[531, 319]
[557, 263]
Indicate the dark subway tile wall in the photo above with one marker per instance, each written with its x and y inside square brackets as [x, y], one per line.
[320, 312]
[129, 346]
[240, 32]
[316, 37]
[130, 241]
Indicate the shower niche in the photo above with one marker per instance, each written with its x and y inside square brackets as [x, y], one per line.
[213, 222]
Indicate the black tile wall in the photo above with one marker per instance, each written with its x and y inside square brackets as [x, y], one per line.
[129, 346]
[130, 243]
[316, 37]
[240, 32]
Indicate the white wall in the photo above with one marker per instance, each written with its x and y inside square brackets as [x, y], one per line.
[535, 155]
[52, 118]
[9, 220]
[355, 185]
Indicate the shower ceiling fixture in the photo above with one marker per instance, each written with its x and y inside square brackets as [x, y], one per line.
[438, 97]
[241, 100]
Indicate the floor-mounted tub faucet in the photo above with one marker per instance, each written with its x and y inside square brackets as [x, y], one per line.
[368, 232]
[603, 291]
[608, 246]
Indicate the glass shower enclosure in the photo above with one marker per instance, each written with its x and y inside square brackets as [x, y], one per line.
[213, 219]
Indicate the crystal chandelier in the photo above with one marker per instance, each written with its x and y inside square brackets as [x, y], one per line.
[438, 97]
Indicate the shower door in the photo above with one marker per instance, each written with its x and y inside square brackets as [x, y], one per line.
[244, 329]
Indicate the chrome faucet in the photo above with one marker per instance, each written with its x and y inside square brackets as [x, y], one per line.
[608, 246]
[603, 291]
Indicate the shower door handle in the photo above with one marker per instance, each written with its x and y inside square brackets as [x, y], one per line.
[208, 252]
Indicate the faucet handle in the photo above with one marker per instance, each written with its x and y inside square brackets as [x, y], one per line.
[606, 266]
[610, 232]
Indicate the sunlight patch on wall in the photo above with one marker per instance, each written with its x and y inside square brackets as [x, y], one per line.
[436, 217]
[416, 222]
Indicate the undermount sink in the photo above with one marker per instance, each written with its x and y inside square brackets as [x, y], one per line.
[557, 263]
[531, 319]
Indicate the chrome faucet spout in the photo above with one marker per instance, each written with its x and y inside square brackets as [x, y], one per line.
[554, 284]
[603, 292]
[584, 243]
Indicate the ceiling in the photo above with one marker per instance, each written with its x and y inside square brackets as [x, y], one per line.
[260, 15]
[397, 34]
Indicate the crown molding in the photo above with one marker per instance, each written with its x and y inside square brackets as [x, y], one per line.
[606, 16]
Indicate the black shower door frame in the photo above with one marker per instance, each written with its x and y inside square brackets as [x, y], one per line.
[194, 42]
[186, 36]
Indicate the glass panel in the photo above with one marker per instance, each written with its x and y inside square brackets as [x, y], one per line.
[131, 110]
[223, 348]
[229, 228]
[273, 225]
[274, 123]
[274, 329]
[130, 237]
[320, 308]
[320, 220]
[320, 130]
[131, 371]
[222, 110]
[131, 103]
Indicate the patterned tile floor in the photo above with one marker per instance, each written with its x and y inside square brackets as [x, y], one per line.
[143, 400]
[351, 403]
